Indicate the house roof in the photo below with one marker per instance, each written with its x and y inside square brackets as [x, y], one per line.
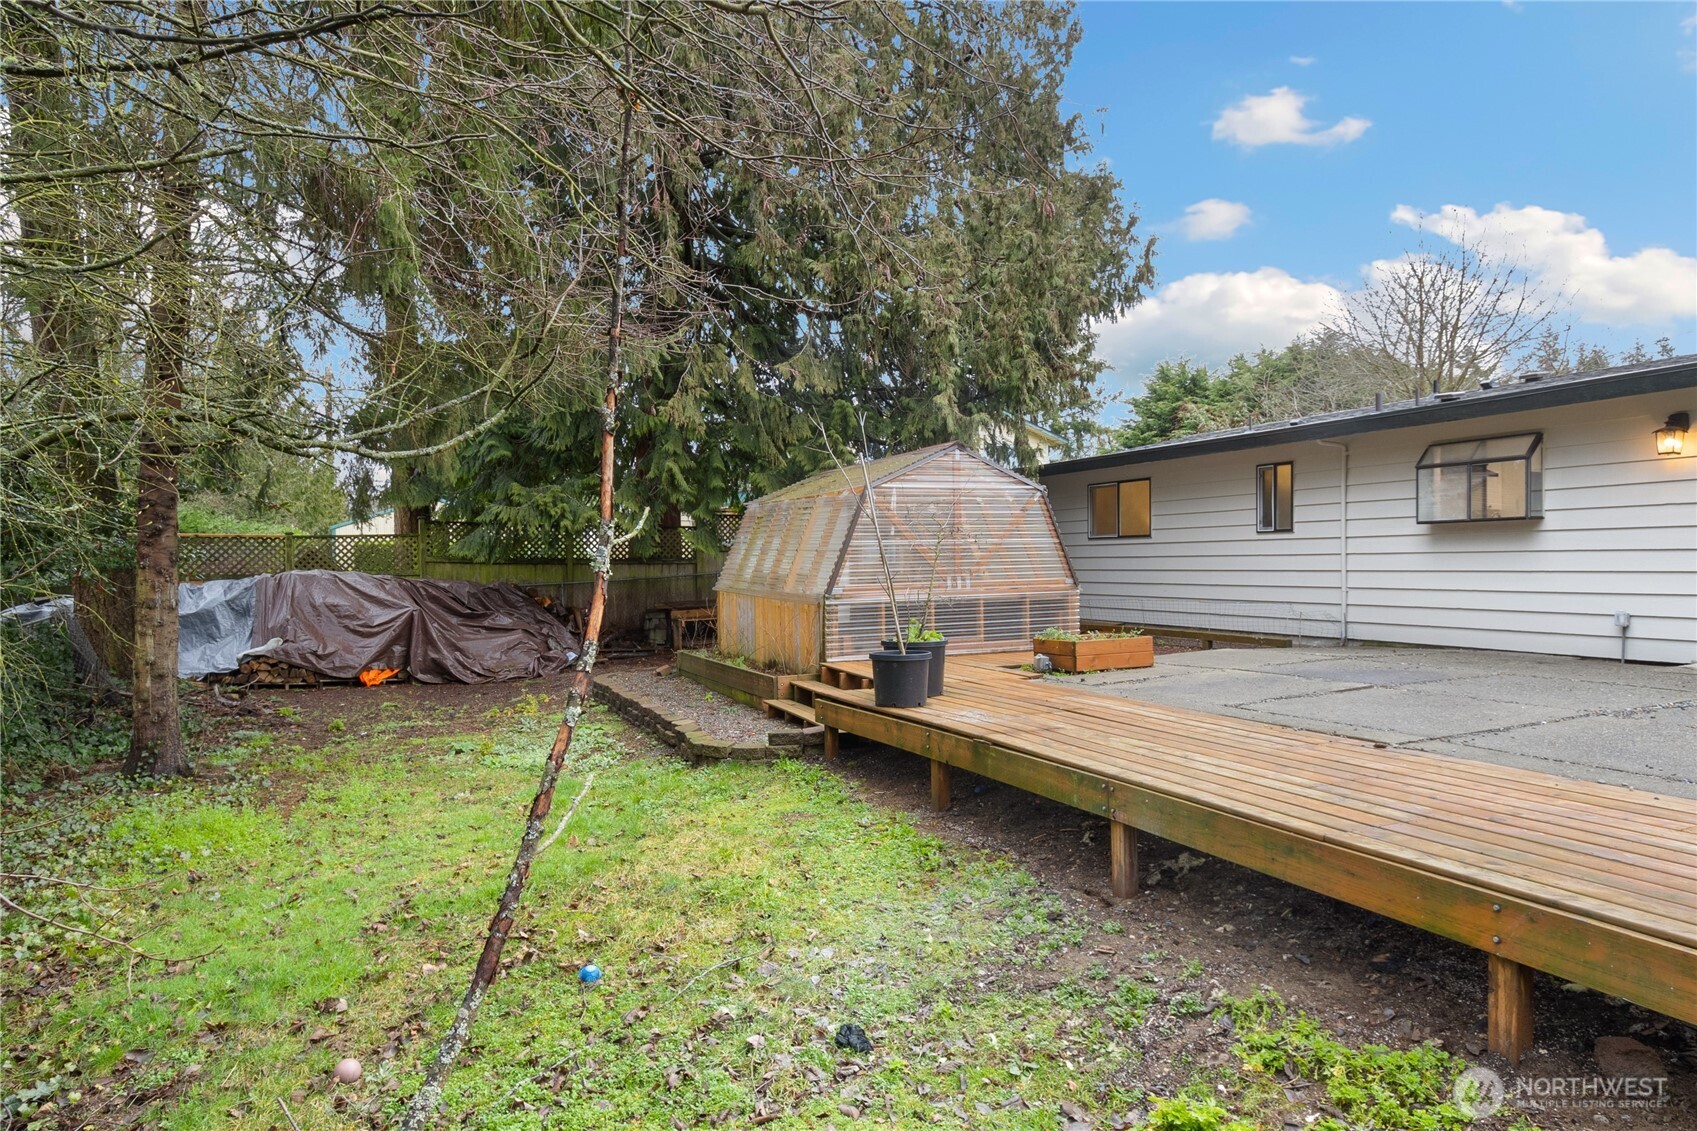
[1515, 394]
[831, 481]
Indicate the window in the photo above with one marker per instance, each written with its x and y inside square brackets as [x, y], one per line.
[1120, 510]
[1481, 480]
[1273, 497]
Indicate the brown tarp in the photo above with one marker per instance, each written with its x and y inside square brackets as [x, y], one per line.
[340, 624]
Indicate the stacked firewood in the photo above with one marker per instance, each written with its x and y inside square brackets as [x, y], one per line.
[263, 672]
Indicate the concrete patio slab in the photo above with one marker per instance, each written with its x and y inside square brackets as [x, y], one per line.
[1402, 715]
[1558, 691]
[1245, 659]
[1230, 688]
[1580, 771]
[1379, 675]
[1659, 743]
[1593, 720]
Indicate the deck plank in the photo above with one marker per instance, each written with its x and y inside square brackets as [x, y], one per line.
[1433, 800]
[1594, 883]
[1675, 814]
[1564, 877]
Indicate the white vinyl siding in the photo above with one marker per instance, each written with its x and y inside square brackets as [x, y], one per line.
[1619, 533]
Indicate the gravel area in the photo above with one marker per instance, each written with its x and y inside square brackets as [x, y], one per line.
[719, 715]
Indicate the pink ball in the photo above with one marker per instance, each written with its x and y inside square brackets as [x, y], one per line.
[347, 1071]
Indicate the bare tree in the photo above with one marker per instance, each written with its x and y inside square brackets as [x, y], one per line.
[1440, 316]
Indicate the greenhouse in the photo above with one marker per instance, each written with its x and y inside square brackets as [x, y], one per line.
[972, 551]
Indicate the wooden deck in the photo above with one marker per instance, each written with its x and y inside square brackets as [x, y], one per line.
[1593, 883]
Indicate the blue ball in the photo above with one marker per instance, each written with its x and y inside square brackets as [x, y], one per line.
[589, 974]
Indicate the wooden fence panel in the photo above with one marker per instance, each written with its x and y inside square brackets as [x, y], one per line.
[204, 557]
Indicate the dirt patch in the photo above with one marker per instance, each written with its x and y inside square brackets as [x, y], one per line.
[1208, 927]
[309, 717]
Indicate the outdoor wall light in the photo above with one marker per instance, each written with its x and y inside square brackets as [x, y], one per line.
[1670, 437]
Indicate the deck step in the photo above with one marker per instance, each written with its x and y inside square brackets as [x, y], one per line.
[806, 690]
[799, 711]
[838, 675]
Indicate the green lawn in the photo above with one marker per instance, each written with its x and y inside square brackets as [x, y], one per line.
[741, 913]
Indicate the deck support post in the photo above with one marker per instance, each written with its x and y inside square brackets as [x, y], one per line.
[939, 785]
[833, 741]
[1509, 1008]
[1122, 859]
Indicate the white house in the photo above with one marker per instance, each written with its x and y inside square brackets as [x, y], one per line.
[382, 522]
[1552, 514]
[1044, 444]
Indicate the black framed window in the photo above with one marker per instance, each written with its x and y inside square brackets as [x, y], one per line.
[1120, 510]
[1275, 491]
[1489, 480]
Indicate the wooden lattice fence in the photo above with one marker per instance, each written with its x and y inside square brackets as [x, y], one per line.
[204, 557]
[470, 541]
[726, 523]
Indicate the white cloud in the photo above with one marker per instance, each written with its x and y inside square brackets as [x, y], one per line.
[1209, 317]
[1653, 284]
[1213, 219]
[1277, 119]
[1304, 60]
[1688, 55]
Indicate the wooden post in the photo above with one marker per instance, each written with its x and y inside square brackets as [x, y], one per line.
[1509, 1008]
[831, 744]
[289, 554]
[1122, 859]
[939, 785]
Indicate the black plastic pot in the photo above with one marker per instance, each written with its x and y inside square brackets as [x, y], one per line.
[900, 679]
[934, 684]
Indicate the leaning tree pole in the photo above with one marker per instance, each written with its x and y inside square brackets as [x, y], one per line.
[429, 1095]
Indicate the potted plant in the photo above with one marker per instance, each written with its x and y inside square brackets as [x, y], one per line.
[900, 675]
[929, 640]
[1095, 651]
[922, 630]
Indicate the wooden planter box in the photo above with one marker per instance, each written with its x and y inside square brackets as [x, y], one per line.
[742, 684]
[1098, 655]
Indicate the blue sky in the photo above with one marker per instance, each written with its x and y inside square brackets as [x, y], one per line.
[1279, 149]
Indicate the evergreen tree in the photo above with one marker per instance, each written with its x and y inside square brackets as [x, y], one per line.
[958, 307]
[1181, 398]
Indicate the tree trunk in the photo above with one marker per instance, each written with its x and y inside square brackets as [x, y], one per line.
[408, 518]
[156, 734]
[47, 236]
[62, 333]
[397, 348]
